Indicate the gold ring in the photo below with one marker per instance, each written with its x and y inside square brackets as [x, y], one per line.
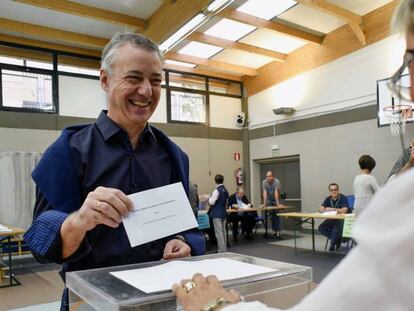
[189, 286]
[98, 205]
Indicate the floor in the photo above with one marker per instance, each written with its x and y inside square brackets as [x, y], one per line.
[41, 284]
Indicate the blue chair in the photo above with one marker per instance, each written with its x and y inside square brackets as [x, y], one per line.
[351, 201]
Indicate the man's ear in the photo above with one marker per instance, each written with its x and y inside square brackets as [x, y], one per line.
[103, 78]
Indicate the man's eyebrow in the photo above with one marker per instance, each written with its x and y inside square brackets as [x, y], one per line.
[137, 72]
[140, 73]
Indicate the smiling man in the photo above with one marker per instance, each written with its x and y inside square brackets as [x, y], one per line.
[85, 176]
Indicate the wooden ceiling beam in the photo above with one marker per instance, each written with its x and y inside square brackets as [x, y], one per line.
[228, 44]
[263, 23]
[51, 46]
[358, 33]
[332, 9]
[51, 33]
[211, 63]
[338, 43]
[354, 20]
[207, 72]
[170, 16]
[87, 11]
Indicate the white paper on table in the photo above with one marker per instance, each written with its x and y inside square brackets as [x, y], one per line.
[162, 277]
[158, 213]
[244, 206]
[330, 213]
[5, 229]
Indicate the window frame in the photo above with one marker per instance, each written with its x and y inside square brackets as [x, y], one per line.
[55, 73]
[205, 92]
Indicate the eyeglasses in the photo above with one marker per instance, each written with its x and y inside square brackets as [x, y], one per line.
[336, 189]
[268, 176]
[396, 85]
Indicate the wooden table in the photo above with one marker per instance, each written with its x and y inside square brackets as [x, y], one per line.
[309, 218]
[9, 234]
[265, 209]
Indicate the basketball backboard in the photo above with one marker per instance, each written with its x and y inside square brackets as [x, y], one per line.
[385, 99]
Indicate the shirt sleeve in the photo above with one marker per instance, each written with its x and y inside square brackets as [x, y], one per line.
[326, 203]
[212, 200]
[195, 239]
[43, 236]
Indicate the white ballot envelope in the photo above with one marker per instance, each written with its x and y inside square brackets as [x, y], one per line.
[158, 213]
[163, 276]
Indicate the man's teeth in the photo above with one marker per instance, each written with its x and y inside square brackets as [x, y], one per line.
[140, 104]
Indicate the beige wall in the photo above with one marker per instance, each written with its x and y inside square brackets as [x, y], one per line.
[29, 140]
[330, 154]
[209, 157]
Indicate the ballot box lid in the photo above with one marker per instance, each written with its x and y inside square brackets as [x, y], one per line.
[100, 290]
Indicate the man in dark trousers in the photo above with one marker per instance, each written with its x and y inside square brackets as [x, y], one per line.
[239, 201]
[218, 203]
[332, 228]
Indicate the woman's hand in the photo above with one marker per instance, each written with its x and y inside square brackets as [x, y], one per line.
[204, 292]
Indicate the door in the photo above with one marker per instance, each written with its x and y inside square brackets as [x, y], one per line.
[287, 170]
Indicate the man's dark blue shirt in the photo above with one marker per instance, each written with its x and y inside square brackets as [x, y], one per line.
[102, 155]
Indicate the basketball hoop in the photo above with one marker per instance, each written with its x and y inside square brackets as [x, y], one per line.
[397, 116]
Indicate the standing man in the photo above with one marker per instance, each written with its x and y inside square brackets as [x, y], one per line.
[332, 228]
[271, 195]
[84, 177]
[239, 201]
[218, 203]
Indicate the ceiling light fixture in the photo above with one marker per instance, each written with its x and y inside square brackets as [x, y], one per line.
[194, 23]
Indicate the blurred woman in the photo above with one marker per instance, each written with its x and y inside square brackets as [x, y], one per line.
[365, 185]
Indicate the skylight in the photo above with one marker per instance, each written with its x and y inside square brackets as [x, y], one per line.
[200, 49]
[230, 30]
[175, 62]
[266, 9]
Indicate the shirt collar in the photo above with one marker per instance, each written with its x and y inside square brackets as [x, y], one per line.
[109, 128]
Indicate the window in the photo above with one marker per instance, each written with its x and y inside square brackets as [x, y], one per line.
[224, 87]
[78, 65]
[188, 107]
[186, 81]
[188, 95]
[27, 90]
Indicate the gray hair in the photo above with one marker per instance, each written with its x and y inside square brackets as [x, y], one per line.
[403, 18]
[120, 39]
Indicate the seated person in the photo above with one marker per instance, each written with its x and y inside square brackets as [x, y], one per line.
[332, 228]
[239, 201]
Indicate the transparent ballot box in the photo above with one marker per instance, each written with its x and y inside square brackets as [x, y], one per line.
[97, 289]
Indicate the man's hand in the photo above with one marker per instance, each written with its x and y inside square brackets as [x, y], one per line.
[104, 206]
[176, 249]
[321, 209]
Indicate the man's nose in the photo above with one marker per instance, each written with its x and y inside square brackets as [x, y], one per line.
[145, 88]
